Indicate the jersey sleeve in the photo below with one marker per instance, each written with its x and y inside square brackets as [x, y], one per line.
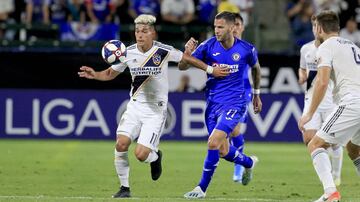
[175, 55]
[253, 58]
[302, 63]
[200, 52]
[324, 56]
[119, 67]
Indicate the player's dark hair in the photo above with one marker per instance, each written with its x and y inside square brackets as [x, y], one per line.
[227, 16]
[238, 16]
[328, 21]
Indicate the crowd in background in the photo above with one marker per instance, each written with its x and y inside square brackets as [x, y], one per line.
[176, 12]
[182, 13]
[299, 14]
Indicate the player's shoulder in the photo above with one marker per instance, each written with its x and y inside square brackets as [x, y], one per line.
[335, 41]
[244, 43]
[131, 47]
[163, 46]
[307, 46]
[209, 41]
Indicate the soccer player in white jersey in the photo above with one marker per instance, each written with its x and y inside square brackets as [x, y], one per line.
[338, 59]
[307, 74]
[145, 114]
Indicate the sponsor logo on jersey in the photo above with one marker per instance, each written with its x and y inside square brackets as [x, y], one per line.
[145, 71]
[232, 68]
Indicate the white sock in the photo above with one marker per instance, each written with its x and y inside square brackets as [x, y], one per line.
[322, 165]
[357, 165]
[336, 160]
[122, 167]
[151, 157]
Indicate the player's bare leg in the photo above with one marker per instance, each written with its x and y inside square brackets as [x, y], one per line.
[354, 154]
[122, 165]
[145, 154]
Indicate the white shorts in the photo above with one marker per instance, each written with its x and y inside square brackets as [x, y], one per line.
[318, 118]
[144, 121]
[342, 125]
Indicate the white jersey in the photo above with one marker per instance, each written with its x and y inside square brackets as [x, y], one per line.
[149, 71]
[343, 57]
[308, 61]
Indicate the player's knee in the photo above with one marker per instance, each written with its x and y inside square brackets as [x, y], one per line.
[141, 155]
[316, 143]
[213, 144]
[121, 146]
[141, 152]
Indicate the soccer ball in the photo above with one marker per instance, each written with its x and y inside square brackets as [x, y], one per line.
[113, 52]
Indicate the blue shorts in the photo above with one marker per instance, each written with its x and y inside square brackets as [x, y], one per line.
[224, 117]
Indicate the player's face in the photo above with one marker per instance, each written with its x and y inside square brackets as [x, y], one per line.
[238, 28]
[144, 34]
[223, 30]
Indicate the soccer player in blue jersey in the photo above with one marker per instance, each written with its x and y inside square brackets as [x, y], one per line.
[226, 102]
[237, 138]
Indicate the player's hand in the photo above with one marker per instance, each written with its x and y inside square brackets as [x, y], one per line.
[220, 71]
[303, 120]
[87, 72]
[257, 104]
[190, 46]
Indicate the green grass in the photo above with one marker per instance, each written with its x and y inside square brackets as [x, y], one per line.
[83, 171]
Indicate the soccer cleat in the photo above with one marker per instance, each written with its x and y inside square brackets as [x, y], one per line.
[196, 193]
[156, 167]
[238, 172]
[124, 192]
[248, 172]
[334, 197]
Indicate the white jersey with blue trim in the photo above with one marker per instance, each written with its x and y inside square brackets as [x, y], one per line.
[149, 71]
[343, 56]
[308, 61]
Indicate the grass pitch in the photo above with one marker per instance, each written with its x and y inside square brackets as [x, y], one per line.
[83, 171]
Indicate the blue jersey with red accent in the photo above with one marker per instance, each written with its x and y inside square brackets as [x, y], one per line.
[230, 89]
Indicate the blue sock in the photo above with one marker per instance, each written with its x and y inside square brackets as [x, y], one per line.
[238, 158]
[238, 142]
[210, 165]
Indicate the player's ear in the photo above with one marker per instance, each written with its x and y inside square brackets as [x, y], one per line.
[232, 28]
[319, 29]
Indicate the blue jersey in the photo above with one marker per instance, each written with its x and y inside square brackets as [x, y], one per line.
[230, 89]
[247, 86]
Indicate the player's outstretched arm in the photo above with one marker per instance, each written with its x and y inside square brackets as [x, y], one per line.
[215, 71]
[190, 46]
[105, 75]
[256, 75]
